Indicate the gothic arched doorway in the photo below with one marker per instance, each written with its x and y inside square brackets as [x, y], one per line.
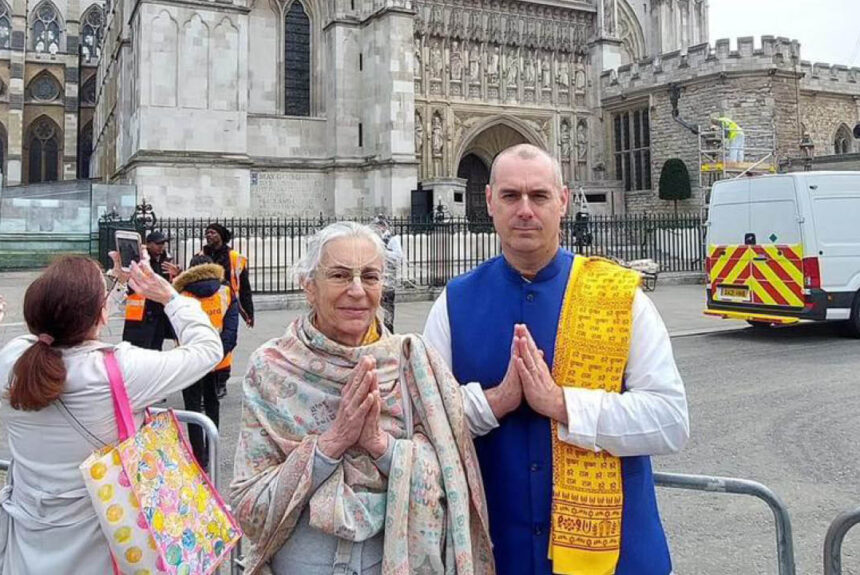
[475, 164]
[477, 176]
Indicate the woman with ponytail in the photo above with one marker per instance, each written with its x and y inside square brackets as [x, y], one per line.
[57, 406]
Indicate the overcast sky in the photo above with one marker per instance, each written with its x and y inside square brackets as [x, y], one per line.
[828, 30]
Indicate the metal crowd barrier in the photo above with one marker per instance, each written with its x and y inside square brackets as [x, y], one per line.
[784, 541]
[212, 440]
[833, 541]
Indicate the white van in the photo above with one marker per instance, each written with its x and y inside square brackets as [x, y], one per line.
[785, 248]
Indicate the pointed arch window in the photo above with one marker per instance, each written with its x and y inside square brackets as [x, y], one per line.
[46, 29]
[88, 91]
[44, 152]
[842, 144]
[297, 61]
[5, 25]
[92, 25]
[85, 151]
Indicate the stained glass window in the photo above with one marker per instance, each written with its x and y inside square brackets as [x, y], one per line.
[45, 88]
[46, 29]
[91, 34]
[5, 25]
[297, 61]
[44, 152]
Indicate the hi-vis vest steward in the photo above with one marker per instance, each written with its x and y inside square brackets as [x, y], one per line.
[134, 307]
[238, 263]
[216, 306]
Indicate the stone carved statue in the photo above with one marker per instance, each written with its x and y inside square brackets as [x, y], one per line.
[456, 62]
[493, 66]
[494, 27]
[437, 62]
[580, 75]
[512, 72]
[609, 16]
[565, 140]
[512, 30]
[457, 24]
[475, 63]
[529, 72]
[417, 58]
[548, 36]
[546, 73]
[437, 19]
[419, 134]
[532, 33]
[582, 141]
[437, 137]
[563, 75]
[475, 23]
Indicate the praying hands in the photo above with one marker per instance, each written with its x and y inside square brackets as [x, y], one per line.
[357, 419]
[529, 377]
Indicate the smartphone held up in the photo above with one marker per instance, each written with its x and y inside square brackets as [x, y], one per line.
[128, 246]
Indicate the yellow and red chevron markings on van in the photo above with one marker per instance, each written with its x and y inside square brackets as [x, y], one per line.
[773, 273]
[729, 264]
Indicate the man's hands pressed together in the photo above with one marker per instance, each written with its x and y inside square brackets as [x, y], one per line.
[541, 391]
[529, 377]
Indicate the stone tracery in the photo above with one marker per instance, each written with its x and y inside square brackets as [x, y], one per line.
[489, 53]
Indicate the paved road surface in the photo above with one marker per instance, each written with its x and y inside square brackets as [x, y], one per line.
[776, 406]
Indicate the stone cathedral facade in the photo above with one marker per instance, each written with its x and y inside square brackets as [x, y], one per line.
[344, 107]
[49, 51]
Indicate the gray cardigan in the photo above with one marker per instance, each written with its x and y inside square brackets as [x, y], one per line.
[309, 551]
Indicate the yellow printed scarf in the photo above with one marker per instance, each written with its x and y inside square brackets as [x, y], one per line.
[590, 352]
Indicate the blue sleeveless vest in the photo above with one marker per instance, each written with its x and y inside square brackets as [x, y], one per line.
[516, 458]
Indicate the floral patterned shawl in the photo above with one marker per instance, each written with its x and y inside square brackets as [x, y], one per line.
[431, 507]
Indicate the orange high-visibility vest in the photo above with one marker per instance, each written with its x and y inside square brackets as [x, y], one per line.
[216, 306]
[238, 263]
[134, 307]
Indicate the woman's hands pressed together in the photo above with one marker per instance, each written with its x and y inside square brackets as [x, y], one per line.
[357, 419]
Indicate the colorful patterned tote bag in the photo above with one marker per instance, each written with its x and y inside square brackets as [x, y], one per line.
[157, 508]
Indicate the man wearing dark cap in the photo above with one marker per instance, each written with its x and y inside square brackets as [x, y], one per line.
[146, 324]
[236, 273]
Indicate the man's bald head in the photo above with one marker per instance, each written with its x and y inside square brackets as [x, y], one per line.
[528, 152]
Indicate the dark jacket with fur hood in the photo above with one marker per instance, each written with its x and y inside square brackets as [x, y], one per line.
[204, 281]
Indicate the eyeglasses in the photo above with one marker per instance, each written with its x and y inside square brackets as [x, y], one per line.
[370, 278]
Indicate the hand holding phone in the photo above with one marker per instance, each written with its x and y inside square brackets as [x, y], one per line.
[129, 248]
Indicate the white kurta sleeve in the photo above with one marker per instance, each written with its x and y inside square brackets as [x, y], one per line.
[650, 417]
[151, 375]
[437, 332]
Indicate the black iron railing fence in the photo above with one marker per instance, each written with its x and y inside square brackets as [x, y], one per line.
[433, 251]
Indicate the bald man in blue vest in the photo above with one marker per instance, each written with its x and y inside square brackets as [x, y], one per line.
[497, 327]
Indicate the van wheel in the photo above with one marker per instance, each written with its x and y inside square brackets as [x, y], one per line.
[852, 326]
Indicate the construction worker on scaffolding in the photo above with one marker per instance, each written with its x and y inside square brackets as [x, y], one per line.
[732, 134]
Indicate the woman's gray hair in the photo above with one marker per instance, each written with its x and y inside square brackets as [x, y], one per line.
[306, 267]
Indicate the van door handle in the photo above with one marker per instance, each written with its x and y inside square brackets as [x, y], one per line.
[760, 258]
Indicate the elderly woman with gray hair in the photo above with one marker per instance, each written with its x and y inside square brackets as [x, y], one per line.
[354, 455]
